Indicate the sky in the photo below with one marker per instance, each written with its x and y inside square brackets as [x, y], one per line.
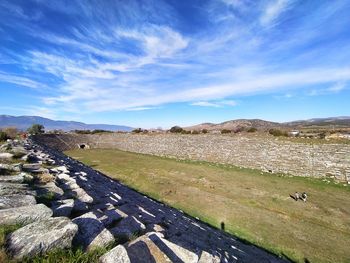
[154, 63]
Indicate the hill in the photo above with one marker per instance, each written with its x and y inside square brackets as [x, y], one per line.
[331, 122]
[24, 122]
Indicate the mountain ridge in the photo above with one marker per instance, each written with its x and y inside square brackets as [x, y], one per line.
[24, 122]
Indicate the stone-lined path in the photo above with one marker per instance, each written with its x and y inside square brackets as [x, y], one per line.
[92, 210]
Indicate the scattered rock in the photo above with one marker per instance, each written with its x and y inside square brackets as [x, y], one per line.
[116, 255]
[40, 237]
[50, 187]
[92, 233]
[16, 201]
[25, 214]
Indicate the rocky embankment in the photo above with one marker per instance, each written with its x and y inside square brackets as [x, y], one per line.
[61, 203]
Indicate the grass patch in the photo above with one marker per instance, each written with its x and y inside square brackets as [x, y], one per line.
[46, 198]
[254, 206]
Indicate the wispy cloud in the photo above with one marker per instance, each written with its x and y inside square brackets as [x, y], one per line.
[126, 56]
[273, 10]
[215, 104]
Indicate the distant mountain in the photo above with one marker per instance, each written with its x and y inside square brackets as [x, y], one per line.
[343, 121]
[24, 122]
[331, 122]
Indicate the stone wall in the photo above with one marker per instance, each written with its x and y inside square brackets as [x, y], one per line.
[267, 154]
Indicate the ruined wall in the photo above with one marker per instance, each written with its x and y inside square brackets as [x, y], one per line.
[268, 154]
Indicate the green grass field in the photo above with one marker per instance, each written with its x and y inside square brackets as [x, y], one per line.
[254, 206]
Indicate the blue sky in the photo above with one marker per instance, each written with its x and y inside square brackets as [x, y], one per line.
[156, 63]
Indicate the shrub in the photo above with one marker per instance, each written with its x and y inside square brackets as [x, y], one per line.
[36, 129]
[3, 136]
[11, 132]
[252, 129]
[277, 132]
[185, 132]
[204, 131]
[176, 129]
[138, 130]
[195, 132]
[225, 131]
[100, 131]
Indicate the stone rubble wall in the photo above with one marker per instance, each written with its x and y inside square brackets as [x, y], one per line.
[267, 154]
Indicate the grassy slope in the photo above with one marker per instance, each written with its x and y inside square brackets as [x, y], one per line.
[253, 205]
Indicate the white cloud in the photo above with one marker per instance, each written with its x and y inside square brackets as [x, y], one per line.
[337, 87]
[19, 80]
[273, 10]
[215, 104]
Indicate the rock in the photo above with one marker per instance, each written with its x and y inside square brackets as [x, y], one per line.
[6, 156]
[144, 250]
[109, 216]
[208, 258]
[40, 237]
[173, 251]
[29, 167]
[12, 178]
[62, 207]
[13, 188]
[127, 228]
[9, 168]
[16, 201]
[62, 169]
[25, 214]
[50, 187]
[116, 255]
[18, 152]
[80, 194]
[80, 206]
[92, 233]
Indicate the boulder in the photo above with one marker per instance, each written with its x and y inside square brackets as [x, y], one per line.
[80, 206]
[25, 214]
[16, 201]
[116, 255]
[29, 167]
[92, 233]
[109, 216]
[127, 228]
[40, 237]
[62, 207]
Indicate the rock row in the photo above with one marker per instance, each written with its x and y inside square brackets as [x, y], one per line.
[61, 203]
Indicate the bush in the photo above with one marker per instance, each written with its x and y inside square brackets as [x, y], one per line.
[225, 131]
[185, 132]
[204, 131]
[277, 132]
[195, 132]
[252, 129]
[176, 129]
[11, 132]
[100, 131]
[3, 136]
[138, 130]
[36, 129]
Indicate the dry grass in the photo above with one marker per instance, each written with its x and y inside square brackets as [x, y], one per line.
[253, 205]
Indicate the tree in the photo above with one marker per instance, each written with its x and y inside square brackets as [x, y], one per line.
[204, 131]
[36, 129]
[176, 129]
